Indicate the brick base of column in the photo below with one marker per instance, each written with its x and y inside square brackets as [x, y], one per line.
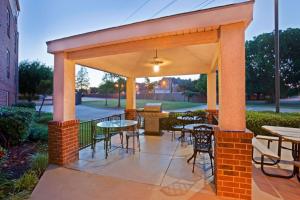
[233, 164]
[210, 114]
[63, 144]
[130, 114]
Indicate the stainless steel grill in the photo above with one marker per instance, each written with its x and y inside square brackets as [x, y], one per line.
[151, 113]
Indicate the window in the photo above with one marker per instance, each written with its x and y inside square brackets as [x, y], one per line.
[16, 41]
[7, 64]
[8, 21]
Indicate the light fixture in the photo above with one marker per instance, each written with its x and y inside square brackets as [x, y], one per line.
[156, 68]
[156, 63]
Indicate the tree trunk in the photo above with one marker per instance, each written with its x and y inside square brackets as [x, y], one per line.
[40, 109]
[119, 98]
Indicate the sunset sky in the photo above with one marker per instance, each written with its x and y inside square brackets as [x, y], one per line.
[45, 20]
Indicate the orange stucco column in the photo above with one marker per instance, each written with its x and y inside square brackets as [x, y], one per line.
[211, 91]
[232, 78]
[63, 143]
[130, 98]
[63, 88]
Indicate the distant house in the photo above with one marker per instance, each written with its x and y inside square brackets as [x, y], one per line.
[9, 39]
[166, 86]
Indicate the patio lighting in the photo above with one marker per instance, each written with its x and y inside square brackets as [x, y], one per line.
[156, 63]
[156, 68]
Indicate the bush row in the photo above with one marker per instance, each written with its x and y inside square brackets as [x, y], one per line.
[255, 120]
[168, 123]
[18, 124]
[14, 124]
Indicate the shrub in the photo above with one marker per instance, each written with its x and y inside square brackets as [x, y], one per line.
[255, 120]
[44, 118]
[39, 163]
[167, 123]
[25, 105]
[2, 153]
[26, 182]
[20, 195]
[38, 132]
[14, 124]
[6, 186]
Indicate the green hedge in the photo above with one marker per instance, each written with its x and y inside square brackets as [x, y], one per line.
[38, 132]
[25, 105]
[168, 123]
[14, 124]
[255, 120]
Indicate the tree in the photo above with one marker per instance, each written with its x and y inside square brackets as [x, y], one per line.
[201, 84]
[260, 64]
[106, 88]
[45, 88]
[120, 84]
[82, 80]
[188, 88]
[34, 78]
[150, 86]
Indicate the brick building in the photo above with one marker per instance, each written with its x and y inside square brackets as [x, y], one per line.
[9, 39]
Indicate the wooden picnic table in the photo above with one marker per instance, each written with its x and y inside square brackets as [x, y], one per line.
[286, 133]
[289, 135]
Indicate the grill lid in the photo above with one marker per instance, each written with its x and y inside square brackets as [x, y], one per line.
[152, 107]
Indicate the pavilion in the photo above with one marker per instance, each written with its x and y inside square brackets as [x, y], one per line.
[209, 41]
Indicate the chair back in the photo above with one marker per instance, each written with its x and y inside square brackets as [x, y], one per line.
[201, 119]
[97, 130]
[138, 118]
[202, 135]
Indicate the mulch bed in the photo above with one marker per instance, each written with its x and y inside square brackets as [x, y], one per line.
[17, 160]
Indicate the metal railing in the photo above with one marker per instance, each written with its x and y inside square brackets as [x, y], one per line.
[85, 134]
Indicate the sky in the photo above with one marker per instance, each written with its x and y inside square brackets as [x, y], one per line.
[44, 20]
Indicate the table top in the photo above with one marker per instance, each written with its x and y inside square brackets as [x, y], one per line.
[117, 123]
[289, 134]
[191, 126]
[188, 118]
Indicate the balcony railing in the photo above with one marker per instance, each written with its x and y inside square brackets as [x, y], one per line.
[86, 129]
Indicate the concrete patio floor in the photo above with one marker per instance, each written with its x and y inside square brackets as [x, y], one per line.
[159, 171]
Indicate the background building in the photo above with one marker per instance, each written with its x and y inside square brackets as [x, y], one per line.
[9, 39]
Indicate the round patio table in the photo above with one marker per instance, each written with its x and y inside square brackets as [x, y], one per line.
[191, 127]
[120, 124]
[117, 123]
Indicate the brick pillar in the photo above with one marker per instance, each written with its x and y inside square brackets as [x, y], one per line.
[130, 114]
[233, 164]
[210, 114]
[63, 144]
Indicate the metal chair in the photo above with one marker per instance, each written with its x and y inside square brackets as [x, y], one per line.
[186, 119]
[202, 143]
[98, 134]
[116, 131]
[136, 132]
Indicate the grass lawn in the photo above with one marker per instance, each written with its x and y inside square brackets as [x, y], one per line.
[166, 105]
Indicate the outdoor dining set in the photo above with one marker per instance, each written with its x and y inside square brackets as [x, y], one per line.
[200, 133]
[195, 130]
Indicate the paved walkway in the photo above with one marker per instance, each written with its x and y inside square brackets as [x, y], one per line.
[158, 172]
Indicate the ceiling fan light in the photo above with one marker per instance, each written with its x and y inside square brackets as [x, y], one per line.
[156, 68]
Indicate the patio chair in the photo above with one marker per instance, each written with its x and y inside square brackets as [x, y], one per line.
[186, 119]
[202, 143]
[136, 132]
[177, 125]
[116, 131]
[98, 134]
